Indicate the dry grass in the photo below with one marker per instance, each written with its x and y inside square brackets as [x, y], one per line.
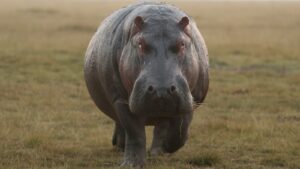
[250, 118]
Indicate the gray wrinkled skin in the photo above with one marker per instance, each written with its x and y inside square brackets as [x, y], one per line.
[147, 64]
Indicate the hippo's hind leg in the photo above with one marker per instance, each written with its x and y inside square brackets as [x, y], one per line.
[177, 133]
[118, 139]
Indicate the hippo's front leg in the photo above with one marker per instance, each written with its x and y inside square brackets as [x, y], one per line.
[170, 135]
[177, 133]
[135, 143]
[159, 136]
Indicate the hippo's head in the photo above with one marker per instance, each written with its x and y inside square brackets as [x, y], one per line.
[159, 65]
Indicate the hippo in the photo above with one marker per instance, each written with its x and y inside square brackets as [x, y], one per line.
[147, 64]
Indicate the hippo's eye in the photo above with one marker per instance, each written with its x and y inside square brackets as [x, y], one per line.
[140, 45]
[181, 46]
[178, 48]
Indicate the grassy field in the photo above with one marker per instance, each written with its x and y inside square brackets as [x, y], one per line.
[250, 119]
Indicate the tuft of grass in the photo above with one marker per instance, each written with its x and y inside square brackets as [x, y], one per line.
[274, 162]
[204, 160]
[33, 142]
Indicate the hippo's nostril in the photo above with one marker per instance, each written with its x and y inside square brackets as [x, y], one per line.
[150, 89]
[172, 89]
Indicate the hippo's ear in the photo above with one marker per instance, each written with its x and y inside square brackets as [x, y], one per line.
[138, 23]
[184, 22]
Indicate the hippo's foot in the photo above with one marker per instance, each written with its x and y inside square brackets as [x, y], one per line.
[133, 163]
[156, 151]
[118, 139]
[134, 159]
[169, 146]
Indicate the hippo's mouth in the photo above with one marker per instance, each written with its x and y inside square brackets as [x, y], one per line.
[160, 108]
[163, 110]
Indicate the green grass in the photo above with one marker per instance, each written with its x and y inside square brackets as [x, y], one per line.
[250, 119]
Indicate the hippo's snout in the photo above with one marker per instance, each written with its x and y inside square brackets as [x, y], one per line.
[160, 98]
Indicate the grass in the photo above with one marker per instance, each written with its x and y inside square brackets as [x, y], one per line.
[250, 118]
[207, 159]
